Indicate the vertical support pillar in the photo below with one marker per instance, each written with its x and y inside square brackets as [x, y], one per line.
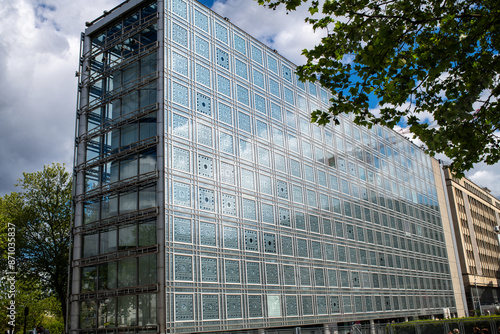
[326, 329]
[74, 316]
[406, 319]
[160, 187]
[261, 331]
[372, 327]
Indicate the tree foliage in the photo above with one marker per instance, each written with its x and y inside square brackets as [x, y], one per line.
[41, 213]
[417, 58]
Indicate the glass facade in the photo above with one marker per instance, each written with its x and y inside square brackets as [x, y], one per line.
[270, 221]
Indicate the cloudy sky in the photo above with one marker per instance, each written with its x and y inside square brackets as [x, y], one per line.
[39, 50]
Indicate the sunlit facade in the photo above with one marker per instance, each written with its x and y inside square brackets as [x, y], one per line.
[207, 202]
[475, 214]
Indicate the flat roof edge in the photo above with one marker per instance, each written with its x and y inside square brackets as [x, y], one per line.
[111, 15]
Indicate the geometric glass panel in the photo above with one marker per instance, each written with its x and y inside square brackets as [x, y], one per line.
[289, 274]
[274, 88]
[233, 303]
[183, 268]
[305, 278]
[222, 58]
[256, 54]
[272, 273]
[180, 126]
[220, 32]
[291, 306]
[267, 213]
[206, 199]
[284, 217]
[230, 237]
[228, 204]
[207, 234]
[240, 44]
[276, 111]
[202, 47]
[269, 243]
[251, 242]
[179, 35]
[327, 226]
[334, 302]
[203, 104]
[254, 306]
[182, 230]
[316, 249]
[225, 113]
[245, 149]
[253, 273]
[202, 75]
[319, 277]
[300, 221]
[232, 271]
[201, 20]
[258, 78]
[346, 300]
[241, 69]
[274, 305]
[204, 135]
[282, 189]
[227, 173]
[242, 94]
[226, 143]
[184, 307]
[307, 305]
[208, 269]
[249, 211]
[180, 64]
[289, 95]
[264, 156]
[182, 194]
[329, 252]
[181, 159]
[272, 64]
[180, 94]
[179, 7]
[302, 247]
[355, 279]
[260, 104]
[286, 246]
[287, 73]
[321, 301]
[332, 277]
[297, 194]
[244, 122]
[205, 166]
[314, 223]
[223, 85]
[210, 307]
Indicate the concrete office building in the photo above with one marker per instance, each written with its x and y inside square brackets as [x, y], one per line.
[475, 214]
[207, 202]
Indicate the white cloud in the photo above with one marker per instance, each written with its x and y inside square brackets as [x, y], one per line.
[39, 50]
[287, 33]
[486, 176]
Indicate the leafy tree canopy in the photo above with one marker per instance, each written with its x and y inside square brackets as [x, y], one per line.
[41, 213]
[417, 58]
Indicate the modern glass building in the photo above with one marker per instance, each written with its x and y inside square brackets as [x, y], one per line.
[206, 201]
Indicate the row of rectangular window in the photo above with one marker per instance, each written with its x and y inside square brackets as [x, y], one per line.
[189, 307]
[184, 232]
[245, 150]
[213, 270]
